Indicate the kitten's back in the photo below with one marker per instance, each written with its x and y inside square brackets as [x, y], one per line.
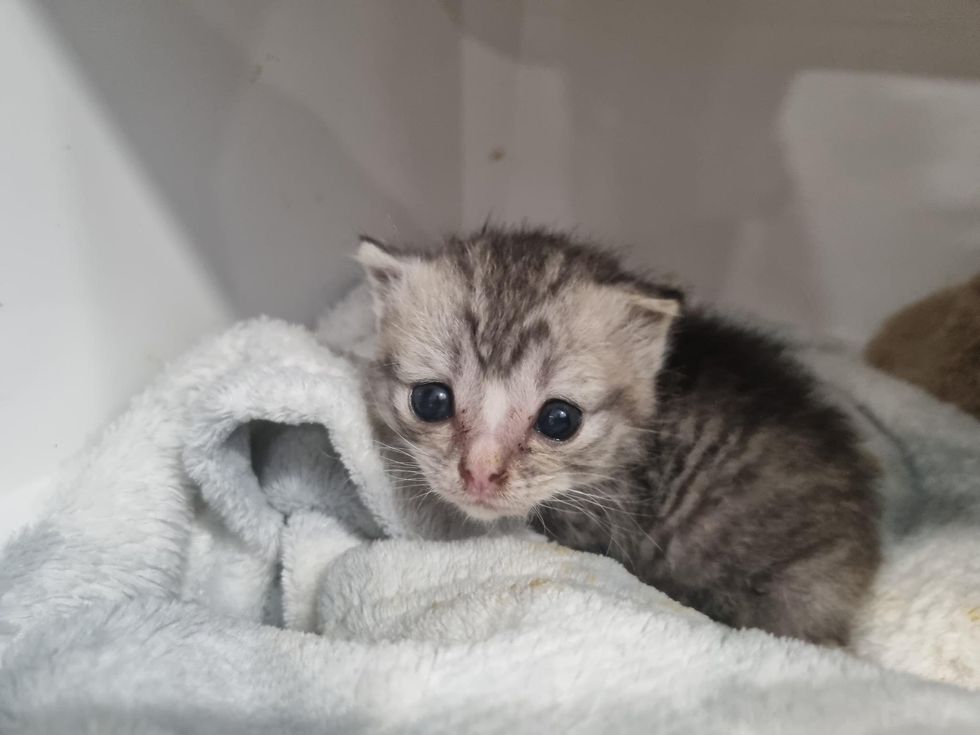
[768, 511]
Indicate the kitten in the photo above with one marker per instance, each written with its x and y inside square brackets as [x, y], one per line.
[525, 375]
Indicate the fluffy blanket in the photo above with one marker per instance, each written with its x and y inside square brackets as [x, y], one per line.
[230, 558]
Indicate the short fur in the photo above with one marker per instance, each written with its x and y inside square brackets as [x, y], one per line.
[705, 463]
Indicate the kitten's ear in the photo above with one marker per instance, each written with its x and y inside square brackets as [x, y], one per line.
[662, 307]
[650, 316]
[384, 266]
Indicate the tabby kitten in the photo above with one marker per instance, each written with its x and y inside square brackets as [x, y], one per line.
[526, 375]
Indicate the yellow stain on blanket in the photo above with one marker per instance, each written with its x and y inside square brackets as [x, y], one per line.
[974, 614]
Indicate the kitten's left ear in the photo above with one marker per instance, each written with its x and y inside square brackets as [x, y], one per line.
[384, 266]
[661, 307]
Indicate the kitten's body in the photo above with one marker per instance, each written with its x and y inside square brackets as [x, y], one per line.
[753, 502]
[705, 461]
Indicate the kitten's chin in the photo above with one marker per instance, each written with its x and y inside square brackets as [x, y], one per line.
[484, 511]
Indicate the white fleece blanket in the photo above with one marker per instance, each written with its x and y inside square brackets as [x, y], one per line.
[229, 558]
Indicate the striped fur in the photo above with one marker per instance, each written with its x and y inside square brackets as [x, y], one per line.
[706, 463]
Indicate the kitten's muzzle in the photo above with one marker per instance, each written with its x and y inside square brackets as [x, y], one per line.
[482, 479]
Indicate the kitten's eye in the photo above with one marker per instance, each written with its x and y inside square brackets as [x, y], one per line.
[432, 402]
[558, 420]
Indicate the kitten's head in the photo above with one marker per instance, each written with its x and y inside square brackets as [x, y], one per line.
[515, 366]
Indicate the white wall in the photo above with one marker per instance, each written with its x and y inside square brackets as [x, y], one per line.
[812, 161]
[168, 167]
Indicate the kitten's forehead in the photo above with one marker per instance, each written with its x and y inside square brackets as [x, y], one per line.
[544, 321]
[506, 303]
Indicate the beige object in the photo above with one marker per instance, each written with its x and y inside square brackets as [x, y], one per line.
[935, 344]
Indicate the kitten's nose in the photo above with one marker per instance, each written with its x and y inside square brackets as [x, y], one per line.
[482, 475]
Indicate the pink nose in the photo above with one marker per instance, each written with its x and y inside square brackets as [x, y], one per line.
[481, 479]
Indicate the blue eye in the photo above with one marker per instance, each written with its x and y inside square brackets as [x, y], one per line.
[558, 420]
[432, 402]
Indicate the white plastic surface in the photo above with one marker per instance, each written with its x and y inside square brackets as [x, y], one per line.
[172, 166]
[169, 167]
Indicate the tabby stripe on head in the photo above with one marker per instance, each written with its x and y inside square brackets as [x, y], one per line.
[473, 326]
[535, 333]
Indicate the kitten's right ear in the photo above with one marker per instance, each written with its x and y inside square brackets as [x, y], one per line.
[384, 267]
